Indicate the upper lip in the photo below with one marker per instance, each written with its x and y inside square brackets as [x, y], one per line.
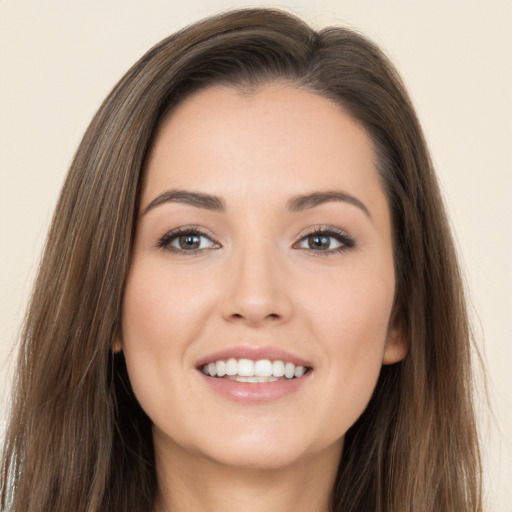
[255, 354]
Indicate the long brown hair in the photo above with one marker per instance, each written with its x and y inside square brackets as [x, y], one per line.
[77, 439]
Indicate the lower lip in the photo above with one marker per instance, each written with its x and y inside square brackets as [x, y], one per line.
[255, 392]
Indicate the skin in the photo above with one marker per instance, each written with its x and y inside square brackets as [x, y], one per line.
[257, 281]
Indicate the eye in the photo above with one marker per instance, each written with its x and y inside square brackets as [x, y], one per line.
[187, 240]
[326, 240]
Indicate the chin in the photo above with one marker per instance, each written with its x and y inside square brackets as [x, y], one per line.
[263, 450]
[258, 457]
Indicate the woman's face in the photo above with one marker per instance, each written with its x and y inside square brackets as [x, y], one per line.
[263, 247]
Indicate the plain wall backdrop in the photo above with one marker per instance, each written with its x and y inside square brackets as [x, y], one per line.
[60, 58]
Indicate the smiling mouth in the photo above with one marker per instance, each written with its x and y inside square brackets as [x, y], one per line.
[247, 370]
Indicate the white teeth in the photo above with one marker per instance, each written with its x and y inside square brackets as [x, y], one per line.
[231, 367]
[299, 371]
[212, 369]
[263, 368]
[221, 368]
[289, 370]
[247, 370]
[278, 369]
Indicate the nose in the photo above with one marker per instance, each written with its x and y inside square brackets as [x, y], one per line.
[256, 293]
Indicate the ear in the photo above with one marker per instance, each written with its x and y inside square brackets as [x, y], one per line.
[397, 341]
[117, 346]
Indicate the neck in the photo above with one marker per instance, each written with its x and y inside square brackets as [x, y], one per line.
[189, 482]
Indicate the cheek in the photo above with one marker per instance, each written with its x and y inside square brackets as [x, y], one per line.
[350, 319]
[161, 317]
[351, 309]
[158, 305]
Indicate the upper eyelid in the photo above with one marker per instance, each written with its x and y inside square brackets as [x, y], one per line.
[198, 230]
[164, 240]
[324, 229]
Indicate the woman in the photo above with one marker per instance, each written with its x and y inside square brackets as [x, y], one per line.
[249, 297]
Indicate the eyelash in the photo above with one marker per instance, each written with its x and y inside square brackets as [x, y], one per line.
[346, 242]
[165, 241]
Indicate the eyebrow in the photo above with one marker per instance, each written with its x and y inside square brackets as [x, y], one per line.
[205, 201]
[217, 204]
[307, 201]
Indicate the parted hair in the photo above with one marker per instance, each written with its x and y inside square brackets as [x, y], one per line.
[77, 440]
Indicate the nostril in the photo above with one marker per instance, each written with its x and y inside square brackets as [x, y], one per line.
[271, 315]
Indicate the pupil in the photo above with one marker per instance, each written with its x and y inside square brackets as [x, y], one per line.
[189, 242]
[319, 242]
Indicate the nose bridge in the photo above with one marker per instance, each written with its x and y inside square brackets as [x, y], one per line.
[257, 292]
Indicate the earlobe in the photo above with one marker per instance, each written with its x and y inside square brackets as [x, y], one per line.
[117, 346]
[397, 343]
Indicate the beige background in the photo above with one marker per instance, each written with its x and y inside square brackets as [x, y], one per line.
[59, 58]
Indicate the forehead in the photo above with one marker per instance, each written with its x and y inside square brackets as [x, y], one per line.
[278, 138]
